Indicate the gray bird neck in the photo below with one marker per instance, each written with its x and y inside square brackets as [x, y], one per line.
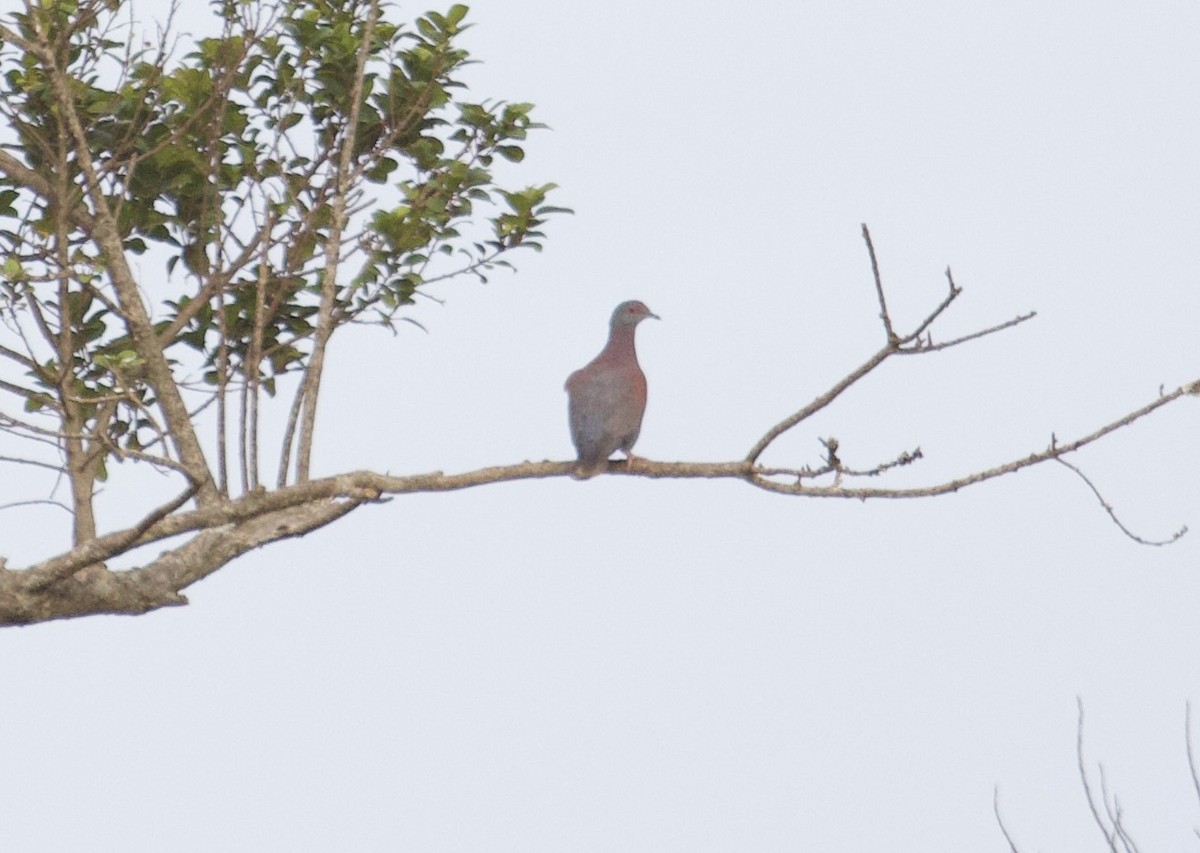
[620, 338]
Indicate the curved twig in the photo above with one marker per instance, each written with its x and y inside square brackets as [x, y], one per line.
[1112, 514]
[1187, 731]
[1012, 845]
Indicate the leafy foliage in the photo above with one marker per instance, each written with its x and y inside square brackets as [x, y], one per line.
[240, 169]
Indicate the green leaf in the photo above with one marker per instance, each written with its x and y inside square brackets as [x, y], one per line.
[12, 269]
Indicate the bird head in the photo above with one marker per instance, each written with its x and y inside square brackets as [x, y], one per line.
[631, 313]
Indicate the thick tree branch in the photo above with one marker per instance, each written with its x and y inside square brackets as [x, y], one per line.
[212, 550]
[158, 583]
[133, 309]
[357, 487]
[355, 483]
[120, 542]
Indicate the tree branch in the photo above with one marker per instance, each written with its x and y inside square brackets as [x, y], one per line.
[310, 391]
[158, 583]
[1012, 845]
[22, 175]
[1053, 452]
[119, 542]
[1109, 835]
[895, 344]
[884, 315]
[360, 486]
[133, 310]
[818, 404]
[1191, 755]
[1113, 515]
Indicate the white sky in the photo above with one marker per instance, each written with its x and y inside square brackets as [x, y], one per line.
[627, 664]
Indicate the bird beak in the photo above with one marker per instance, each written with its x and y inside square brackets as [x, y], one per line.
[655, 316]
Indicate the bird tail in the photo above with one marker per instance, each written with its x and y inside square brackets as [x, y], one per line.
[585, 469]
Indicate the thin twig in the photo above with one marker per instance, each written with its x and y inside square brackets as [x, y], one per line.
[1112, 808]
[58, 504]
[951, 295]
[818, 404]
[1012, 845]
[18, 461]
[1112, 514]
[883, 309]
[1187, 730]
[909, 344]
[1053, 452]
[925, 347]
[1109, 836]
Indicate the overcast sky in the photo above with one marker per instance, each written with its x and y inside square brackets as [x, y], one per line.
[626, 664]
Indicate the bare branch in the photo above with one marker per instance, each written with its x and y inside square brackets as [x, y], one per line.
[47, 502]
[908, 344]
[953, 294]
[1110, 835]
[1191, 757]
[928, 346]
[162, 525]
[360, 486]
[16, 460]
[834, 465]
[1112, 514]
[1112, 807]
[1012, 845]
[1053, 452]
[886, 317]
[819, 403]
[354, 483]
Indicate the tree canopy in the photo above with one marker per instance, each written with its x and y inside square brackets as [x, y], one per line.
[187, 221]
[307, 167]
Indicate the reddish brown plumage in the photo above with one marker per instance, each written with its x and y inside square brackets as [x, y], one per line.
[607, 397]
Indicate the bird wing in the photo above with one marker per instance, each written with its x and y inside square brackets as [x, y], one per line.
[605, 411]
